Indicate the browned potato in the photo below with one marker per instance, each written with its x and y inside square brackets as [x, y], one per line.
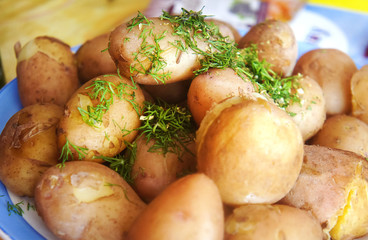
[252, 150]
[153, 171]
[93, 59]
[270, 222]
[28, 146]
[86, 200]
[189, 208]
[359, 86]
[333, 185]
[276, 44]
[310, 113]
[332, 69]
[343, 132]
[46, 71]
[99, 117]
[212, 87]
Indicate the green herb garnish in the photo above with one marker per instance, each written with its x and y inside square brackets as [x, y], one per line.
[67, 153]
[15, 208]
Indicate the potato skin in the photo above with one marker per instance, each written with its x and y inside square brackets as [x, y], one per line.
[333, 185]
[86, 200]
[343, 132]
[212, 87]
[276, 44]
[270, 222]
[91, 61]
[118, 123]
[189, 208]
[46, 72]
[251, 149]
[28, 147]
[332, 69]
[359, 86]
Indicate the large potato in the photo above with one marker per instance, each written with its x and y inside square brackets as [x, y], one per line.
[93, 59]
[343, 132]
[332, 69]
[252, 150]
[359, 86]
[28, 147]
[212, 87]
[276, 44]
[189, 208]
[99, 117]
[310, 113]
[86, 200]
[333, 185]
[271, 222]
[46, 71]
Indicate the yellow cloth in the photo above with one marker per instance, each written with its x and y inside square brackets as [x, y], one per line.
[72, 21]
[356, 5]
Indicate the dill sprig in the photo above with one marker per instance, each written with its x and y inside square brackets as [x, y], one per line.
[170, 126]
[15, 208]
[67, 153]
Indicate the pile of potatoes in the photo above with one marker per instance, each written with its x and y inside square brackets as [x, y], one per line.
[258, 171]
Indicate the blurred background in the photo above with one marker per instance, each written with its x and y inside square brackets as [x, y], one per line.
[317, 23]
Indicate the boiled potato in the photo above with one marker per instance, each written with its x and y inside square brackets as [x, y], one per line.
[93, 59]
[359, 86]
[270, 222]
[28, 147]
[333, 185]
[153, 171]
[226, 29]
[332, 69]
[86, 200]
[46, 71]
[343, 132]
[251, 149]
[99, 117]
[276, 44]
[212, 87]
[310, 112]
[189, 208]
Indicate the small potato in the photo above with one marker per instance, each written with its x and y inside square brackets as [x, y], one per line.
[86, 200]
[333, 185]
[226, 29]
[92, 61]
[212, 87]
[100, 117]
[153, 171]
[310, 113]
[189, 208]
[343, 132]
[332, 69]
[46, 71]
[28, 147]
[252, 150]
[359, 86]
[271, 222]
[276, 44]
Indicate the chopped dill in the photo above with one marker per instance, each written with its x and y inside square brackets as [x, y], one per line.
[15, 208]
[67, 153]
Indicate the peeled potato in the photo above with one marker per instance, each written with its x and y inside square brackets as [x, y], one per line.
[333, 185]
[270, 222]
[252, 150]
[189, 208]
[359, 86]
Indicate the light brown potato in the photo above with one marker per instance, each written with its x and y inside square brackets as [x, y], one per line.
[104, 136]
[310, 113]
[276, 44]
[28, 147]
[251, 149]
[93, 59]
[212, 87]
[333, 185]
[270, 222]
[343, 132]
[332, 69]
[359, 86]
[153, 171]
[86, 200]
[189, 208]
[46, 71]
[226, 29]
